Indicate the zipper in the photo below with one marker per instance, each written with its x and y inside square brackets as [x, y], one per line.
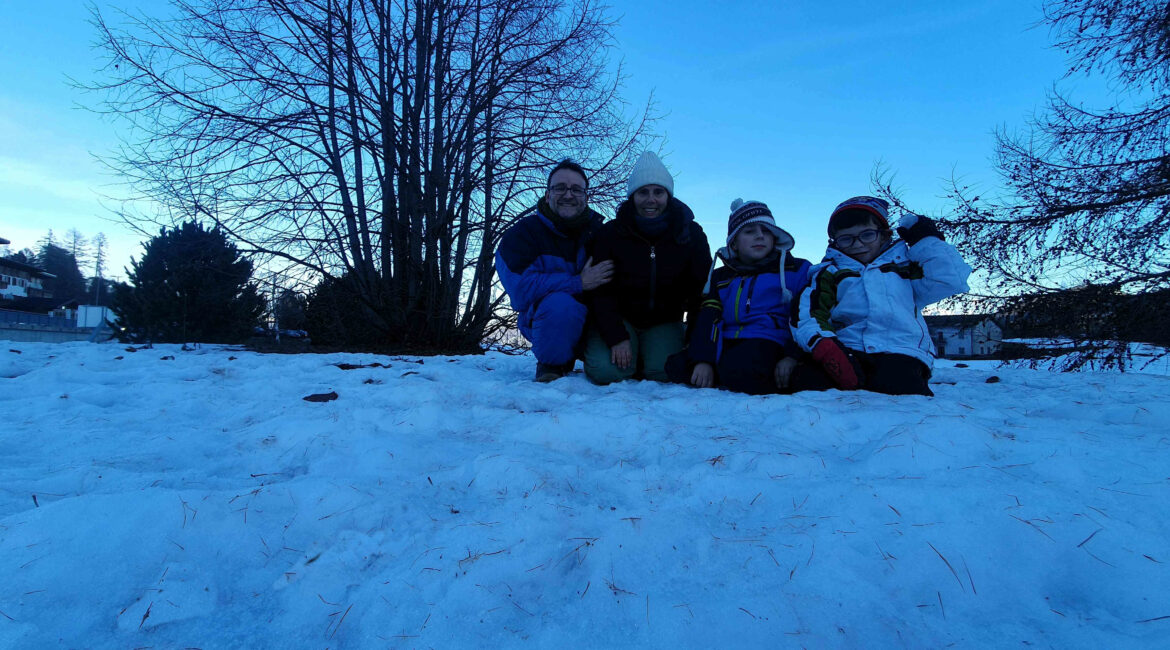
[738, 295]
[653, 264]
[751, 290]
[653, 275]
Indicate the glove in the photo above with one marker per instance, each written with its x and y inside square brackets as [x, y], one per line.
[914, 227]
[841, 367]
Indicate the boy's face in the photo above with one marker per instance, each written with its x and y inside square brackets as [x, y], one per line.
[862, 242]
[753, 243]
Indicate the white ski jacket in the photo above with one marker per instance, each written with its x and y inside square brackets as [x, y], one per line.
[877, 308]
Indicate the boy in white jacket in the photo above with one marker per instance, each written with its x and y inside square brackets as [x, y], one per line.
[861, 316]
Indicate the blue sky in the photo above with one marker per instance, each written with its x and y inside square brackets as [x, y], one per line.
[791, 103]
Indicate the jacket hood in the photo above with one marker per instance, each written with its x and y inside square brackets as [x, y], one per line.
[842, 260]
[784, 244]
[778, 259]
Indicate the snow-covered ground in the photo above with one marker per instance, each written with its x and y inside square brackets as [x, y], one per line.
[174, 499]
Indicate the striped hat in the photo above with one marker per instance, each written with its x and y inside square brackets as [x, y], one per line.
[879, 209]
[745, 212]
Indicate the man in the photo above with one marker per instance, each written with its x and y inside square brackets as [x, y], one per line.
[541, 263]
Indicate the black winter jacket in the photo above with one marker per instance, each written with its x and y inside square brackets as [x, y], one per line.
[654, 281]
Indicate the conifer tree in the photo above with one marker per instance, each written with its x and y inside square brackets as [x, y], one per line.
[67, 284]
[190, 285]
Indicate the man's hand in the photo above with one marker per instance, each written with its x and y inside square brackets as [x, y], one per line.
[595, 275]
[703, 375]
[622, 355]
[783, 372]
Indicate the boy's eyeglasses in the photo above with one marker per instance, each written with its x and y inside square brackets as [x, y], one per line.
[575, 190]
[865, 237]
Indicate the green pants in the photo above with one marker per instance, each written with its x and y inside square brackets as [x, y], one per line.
[649, 347]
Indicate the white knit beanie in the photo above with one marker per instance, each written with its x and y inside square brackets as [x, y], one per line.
[649, 170]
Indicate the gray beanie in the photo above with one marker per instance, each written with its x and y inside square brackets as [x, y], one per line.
[649, 170]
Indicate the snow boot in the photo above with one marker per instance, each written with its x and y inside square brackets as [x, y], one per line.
[546, 372]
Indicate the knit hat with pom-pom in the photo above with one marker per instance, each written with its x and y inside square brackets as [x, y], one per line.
[745, 212]
[748, 212]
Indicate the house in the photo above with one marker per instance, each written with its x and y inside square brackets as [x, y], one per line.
[20, 280]
[93, 315]
[965, 336]
[83, 315]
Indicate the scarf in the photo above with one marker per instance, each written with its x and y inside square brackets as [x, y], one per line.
[775, 259]
[652, 227]
[572, 226]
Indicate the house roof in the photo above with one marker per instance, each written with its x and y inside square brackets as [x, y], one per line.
[27, 268]
[959, 321]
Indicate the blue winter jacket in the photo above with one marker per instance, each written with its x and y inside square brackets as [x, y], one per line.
[748, 303]
[536, 259]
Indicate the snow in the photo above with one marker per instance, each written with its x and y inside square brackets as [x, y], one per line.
[172, 498]
[1139, 357]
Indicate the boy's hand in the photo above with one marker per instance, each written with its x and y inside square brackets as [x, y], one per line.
[783, 371]
[622, 354]
[913, 227]
[703, 375]
[835, 359]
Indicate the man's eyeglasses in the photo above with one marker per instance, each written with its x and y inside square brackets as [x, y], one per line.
[561, 189]
[865, 237]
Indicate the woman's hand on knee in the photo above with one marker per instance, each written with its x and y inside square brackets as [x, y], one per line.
[622, 355]
[703, 375]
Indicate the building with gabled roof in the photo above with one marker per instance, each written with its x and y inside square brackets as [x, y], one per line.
[964, 336]
[20, 280]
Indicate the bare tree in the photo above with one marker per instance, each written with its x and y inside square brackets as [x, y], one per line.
[99, 267]
[78, 245]
[1088, 203]
[99, 254]
[383, 143]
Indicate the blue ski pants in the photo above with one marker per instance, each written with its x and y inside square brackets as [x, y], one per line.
[554, 327]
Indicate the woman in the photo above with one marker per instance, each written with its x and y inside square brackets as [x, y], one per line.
[661, 259]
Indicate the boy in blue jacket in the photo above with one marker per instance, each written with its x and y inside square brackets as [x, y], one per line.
[861, 316]
[741, 339]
